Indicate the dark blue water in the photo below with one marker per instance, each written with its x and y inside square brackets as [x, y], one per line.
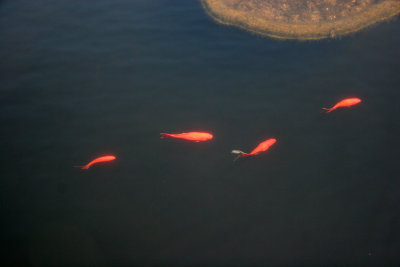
[79, 79]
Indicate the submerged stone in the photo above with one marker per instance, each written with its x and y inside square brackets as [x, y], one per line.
[301, 19]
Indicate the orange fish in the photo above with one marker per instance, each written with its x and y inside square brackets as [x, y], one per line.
[348, 102]
[98, 160]
[263, 146]
[190, 136]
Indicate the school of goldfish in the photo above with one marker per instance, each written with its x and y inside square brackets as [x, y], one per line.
[205, 136]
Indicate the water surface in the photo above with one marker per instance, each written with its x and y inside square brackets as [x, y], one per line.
[81, 79]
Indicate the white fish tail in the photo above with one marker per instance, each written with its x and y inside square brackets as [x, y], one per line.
[239, 154]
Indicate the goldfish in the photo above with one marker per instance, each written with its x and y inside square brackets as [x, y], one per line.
[348, 102]
[190, 136]
[97, 160]
[263, 146]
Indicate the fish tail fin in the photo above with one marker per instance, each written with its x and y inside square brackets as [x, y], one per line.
[164, 135]
[86, 167]
[239, 154]
[237, 157]
[326, 110]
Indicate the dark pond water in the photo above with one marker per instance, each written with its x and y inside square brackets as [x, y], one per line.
[79, 79]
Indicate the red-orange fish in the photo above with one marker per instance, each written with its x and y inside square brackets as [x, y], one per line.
[263, 146]
[348, 102]
[98, 160]
[190, 136]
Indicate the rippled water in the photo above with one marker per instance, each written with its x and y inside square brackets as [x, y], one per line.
[80, 79]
